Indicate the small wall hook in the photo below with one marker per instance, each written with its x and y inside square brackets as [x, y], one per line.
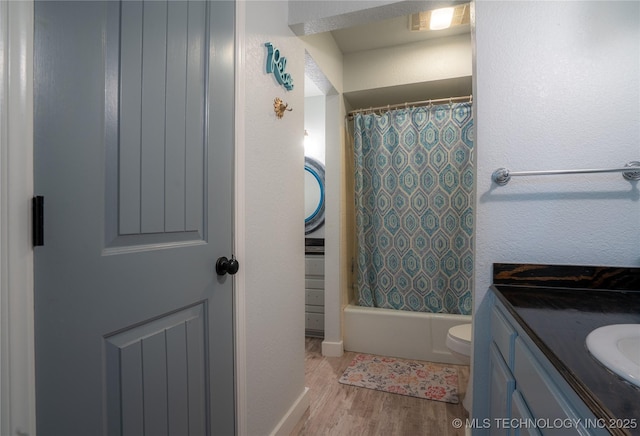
[279, 107]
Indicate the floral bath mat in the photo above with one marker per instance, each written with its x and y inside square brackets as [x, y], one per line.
[427, 380]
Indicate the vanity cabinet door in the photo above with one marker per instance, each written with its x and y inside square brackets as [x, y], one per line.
[541, 394]
[522, 417]
[504, 335]
[501, 389]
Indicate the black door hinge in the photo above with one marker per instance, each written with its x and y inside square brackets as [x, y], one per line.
[38, 220]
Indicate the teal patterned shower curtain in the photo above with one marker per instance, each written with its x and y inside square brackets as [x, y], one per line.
[414, 208]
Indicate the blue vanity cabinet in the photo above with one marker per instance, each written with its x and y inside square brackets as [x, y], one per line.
[542, 396]
[520, 412]
[503, 335]
[501, 380]
[502, 385]
[528, 396]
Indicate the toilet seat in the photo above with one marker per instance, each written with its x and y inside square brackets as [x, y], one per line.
[459, 339]
[459, 344]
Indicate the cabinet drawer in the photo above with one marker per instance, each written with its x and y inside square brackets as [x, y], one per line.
[503, 335]
[314, 265]
[314, 296]
[314, 321]
[540, 393]
[313, 309]
[520, 413]
[314, 283]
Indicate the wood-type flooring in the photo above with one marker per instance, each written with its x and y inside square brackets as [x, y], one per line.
[338, 409]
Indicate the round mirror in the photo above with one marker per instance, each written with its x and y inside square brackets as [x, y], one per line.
[313, 194]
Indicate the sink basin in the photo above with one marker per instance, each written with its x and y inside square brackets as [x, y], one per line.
[617, 347]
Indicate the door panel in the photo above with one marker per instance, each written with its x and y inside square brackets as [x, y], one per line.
[133, 131]
[161, 101]
[156, 375]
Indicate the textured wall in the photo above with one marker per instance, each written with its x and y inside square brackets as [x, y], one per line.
[557, 86]
[274, 221]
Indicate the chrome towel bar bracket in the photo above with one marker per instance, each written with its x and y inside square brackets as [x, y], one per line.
[631, 171]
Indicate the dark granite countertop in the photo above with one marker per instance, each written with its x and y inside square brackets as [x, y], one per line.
[558, 313]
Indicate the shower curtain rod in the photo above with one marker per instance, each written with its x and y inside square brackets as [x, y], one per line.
[450, 100]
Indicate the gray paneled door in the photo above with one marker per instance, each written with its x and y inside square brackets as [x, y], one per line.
[134, 158]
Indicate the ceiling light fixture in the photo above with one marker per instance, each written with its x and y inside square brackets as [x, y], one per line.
[441, 18]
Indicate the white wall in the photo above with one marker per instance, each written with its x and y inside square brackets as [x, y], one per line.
[335, 243]
[314, 125]
[272, 169]
[425, 61]
[327, 60]
[327, 56]
[557, 86]
[17, 354]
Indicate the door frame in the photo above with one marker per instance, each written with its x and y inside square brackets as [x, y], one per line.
[17, 355]
[239, 224]
[17, 360]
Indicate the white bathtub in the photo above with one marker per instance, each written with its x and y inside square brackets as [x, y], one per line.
[399, 333]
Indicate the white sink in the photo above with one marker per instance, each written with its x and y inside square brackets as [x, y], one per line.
[617, 347]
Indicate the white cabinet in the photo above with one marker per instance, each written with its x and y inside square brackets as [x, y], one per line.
[314, 295]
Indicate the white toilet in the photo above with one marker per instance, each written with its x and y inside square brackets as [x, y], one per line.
[459, 343]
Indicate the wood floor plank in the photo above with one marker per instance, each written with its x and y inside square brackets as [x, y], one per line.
[338, 409]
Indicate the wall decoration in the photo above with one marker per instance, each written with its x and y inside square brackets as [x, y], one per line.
[279, 107]
[276, 65]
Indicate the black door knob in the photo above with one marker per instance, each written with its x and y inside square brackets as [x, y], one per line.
[227, 266]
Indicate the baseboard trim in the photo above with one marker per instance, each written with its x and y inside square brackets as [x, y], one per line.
[293, 415]
[332, 349]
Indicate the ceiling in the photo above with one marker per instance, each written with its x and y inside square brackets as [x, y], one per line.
[388, 33]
